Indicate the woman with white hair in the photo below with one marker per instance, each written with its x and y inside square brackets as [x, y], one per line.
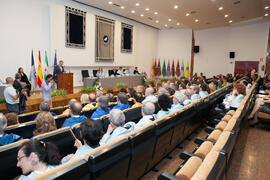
[178, 99]
[4, 137]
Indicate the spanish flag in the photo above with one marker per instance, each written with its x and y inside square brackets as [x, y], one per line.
[187, 70]
[40, 77]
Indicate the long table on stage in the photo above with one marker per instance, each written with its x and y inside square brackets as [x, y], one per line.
[110, 82]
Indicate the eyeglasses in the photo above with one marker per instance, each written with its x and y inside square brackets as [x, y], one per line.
[19, 158]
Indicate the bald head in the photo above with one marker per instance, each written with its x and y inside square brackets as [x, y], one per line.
[148, 108]
[149, 91]
[75, 108]
[92, 97]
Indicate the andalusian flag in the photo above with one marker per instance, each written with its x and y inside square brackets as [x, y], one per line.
[187, 70]
[164, 69]
[40, 77]
[46, 70]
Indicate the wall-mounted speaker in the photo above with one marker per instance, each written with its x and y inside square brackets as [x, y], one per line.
[196, 49]
[232, 55]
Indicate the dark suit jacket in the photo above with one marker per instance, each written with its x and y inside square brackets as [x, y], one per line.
[24, 78]
[57, 71]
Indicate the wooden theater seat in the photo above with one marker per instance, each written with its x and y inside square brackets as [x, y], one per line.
[25, 130]
[59, 120]
[133, 114]
[8, 156]
[73, 169]
[190, 167]
[27, 116]
[222, 140]
[231, 112]
[63, 138]
[204, 149]
[226, 118]
[214, 135]
[221, 125]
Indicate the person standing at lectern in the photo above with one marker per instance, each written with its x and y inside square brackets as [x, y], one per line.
[59, 69]
[46, 88]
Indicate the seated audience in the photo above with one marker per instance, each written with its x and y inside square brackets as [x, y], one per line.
[137, 99]
[12, 119]
[140, 89]
[148, 109]
[92, 103]
[203, 90]
[117, 127]
[233, 101]
[75, 110]
[120, 71]
[114, 73]
[122, 101]
[91, 132]
[103, 109]
[162, 91]
[4, 137]
[37, 157]
[212, 87]
[187, 98]
[149, 95]
[109, 95]
[178, 99]
[136, 71]
[100, 73]
[182, 87]
[45, 107]
[194, 91]
[84, 99]
[164, 103]
[99, 93]
[45, 123]
[127, 71]
[66, 112]
[11, 97]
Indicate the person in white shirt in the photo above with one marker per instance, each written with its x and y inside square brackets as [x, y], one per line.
[120, 71]
[178, 99]
[149, 95]
[203, 90]
[46, 88]
[194, 91]
[164, 103]
[117, 127]
[37, 157]
[91, 132]
[11, 97]
[238, 94]
[148, 109]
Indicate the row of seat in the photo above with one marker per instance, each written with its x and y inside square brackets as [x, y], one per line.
[132, 155]
[210, 160]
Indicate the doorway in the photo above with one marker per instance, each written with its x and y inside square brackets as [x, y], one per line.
[245, 67]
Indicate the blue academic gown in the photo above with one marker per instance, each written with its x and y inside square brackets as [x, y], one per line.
[9, 138]
[100, 112]
[122, 106]
[73, 120]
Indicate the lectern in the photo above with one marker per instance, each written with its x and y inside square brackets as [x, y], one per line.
[65, 81]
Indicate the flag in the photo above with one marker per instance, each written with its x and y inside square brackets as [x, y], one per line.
[187, 70]
[153, 68]
[40, 78]
[168, 69]
[159, 71]
[173, 72]
[164, 69]
[55, 66]
[33, 77]
[46, 70]
[177, 71]
[182, 69]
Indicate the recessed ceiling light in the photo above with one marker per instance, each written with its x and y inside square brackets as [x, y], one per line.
[141, 15]
[122, 7]
[220, 8]
[166, 25]
[155, 13]
[266, 14]
[132, 11]
[175, 6]
[226, 15]
[137, 4]
[187, 14]
[170, 20]
[266, 7]
[178, 24]
[230, 21]
[196, 20]
[147, 9]
[157, 21]
[110, 2]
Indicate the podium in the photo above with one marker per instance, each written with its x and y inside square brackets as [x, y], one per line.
[65, 81]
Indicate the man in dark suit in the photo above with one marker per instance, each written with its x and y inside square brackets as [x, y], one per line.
[59, 69]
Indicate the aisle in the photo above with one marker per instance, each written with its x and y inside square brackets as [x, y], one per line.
[251, 159]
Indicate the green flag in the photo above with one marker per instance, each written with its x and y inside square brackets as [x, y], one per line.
[164, 69]
[46, 66]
